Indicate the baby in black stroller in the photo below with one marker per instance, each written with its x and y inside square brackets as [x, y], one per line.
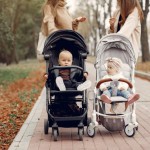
[69, 78]
[66, 84]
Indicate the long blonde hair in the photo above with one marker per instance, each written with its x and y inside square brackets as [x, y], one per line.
[127, 6]
[53, 5]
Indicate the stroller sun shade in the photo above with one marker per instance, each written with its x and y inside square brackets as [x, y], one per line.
[115, 45]
[67, 39]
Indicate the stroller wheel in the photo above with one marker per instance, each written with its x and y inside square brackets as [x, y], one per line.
[55, 134]
[46, 125]
[91, 131]
[129, 130]
[80, 132]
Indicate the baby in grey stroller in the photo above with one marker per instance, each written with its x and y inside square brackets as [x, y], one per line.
[116, 88]
[115, 54]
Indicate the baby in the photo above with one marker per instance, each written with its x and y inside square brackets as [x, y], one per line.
[114, 72]
[68, 78]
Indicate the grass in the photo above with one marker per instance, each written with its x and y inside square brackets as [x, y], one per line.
[12, 73]
[8, 76]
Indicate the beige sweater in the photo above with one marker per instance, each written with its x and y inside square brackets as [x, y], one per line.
[131, 29]
[51, 22]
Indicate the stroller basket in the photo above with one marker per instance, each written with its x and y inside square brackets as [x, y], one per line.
[112, 124]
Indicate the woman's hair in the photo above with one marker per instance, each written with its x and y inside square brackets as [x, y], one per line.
[127, 6]
[52, 3]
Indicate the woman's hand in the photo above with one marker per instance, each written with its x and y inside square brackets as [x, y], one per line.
[112, 22]
[80, 19]
[76, 21]
[85, 75]
[45, 76]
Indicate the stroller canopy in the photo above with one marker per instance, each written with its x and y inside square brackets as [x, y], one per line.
[67, 39]
[115, 45]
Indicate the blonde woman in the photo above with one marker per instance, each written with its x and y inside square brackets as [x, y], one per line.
[126, 20]
[56, 16]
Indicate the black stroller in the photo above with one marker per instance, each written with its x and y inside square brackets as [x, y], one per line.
[56, 100]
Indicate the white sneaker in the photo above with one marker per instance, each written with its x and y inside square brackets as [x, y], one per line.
[60, 84]
[85, 85]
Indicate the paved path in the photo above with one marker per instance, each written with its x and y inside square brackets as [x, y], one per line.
[32, 137]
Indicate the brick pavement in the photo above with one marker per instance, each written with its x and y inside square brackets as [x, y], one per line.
[32, 137]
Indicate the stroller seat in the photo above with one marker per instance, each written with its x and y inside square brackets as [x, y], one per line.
[116, 99]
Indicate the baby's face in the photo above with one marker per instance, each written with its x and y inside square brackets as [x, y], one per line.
[65, 60]
[111, 70]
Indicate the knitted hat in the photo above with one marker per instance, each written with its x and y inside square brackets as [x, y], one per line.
[116, 62]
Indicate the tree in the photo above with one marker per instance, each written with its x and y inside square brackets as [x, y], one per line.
[144, 32]
[19, 28]
[6, 35]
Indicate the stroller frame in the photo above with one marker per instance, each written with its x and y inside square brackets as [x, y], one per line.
[127, 121]
[64, 37]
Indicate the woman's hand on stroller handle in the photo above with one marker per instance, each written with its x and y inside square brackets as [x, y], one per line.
[109, 79]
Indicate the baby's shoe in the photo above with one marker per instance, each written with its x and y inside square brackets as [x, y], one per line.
[131, 100]
[60, 84]
[105, 99]
[85, 85]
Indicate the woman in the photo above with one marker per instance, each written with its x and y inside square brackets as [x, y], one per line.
[126, 20]
[56, 16]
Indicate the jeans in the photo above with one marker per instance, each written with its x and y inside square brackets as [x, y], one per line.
[124, 93]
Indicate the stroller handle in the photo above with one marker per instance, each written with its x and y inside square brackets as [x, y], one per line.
[109, 79]
[66, 67]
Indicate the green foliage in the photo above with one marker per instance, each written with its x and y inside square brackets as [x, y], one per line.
[6, 39]
[8, 76]
[11, 73]
[19, 28]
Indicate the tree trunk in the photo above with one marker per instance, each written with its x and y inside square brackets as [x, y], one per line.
[144, 43]
[144, 34]
[15, 24]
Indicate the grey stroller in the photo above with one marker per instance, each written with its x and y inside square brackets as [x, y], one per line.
[114, 45]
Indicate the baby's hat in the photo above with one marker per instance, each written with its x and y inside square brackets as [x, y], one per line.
[116, 62]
